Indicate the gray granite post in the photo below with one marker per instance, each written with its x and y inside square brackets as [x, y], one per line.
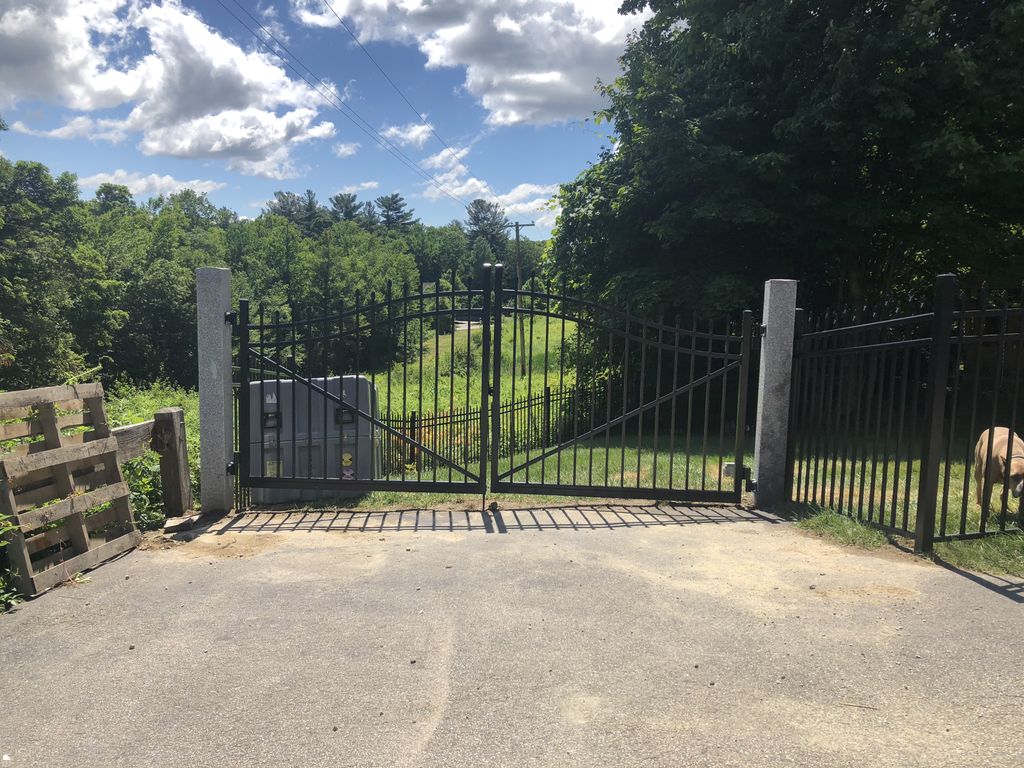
[216, 450]
[773, 392]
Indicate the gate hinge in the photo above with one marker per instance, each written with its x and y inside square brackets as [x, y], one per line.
[762, 330]
[232, 468]
[231, 318]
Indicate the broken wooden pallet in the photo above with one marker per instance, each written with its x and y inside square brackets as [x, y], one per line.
[61, 485]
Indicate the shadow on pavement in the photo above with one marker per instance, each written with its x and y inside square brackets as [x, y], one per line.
[1012, 590]
[493, 519]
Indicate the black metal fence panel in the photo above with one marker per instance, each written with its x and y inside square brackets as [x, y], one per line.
[903, 419]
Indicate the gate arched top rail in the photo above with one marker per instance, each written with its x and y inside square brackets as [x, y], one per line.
[621, 314]
[677, 332]
[681, 336]
[359, 308]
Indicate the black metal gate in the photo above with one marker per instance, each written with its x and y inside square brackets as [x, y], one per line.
[623, 406]
[426, 422]
[443, 389]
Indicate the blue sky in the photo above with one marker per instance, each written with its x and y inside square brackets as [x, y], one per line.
[163, 94]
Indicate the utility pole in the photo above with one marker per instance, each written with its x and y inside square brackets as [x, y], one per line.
[519, 285]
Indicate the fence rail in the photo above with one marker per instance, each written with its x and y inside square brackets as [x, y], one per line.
[896, 420]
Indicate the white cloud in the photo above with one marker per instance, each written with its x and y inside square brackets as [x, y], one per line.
[412, 134]
[192, 91]
[362, 186]
[47, 53]
[149, 184]
[252, 141]
[270, 20]
[505, 23]
[523, 192]
[527, 61]
[522, 200]
[446, 159]
[313, 13]
[343, 149]
[78, 127]
[527, 198]
[548, 218]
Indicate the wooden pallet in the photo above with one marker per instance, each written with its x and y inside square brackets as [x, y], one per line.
[61, 485]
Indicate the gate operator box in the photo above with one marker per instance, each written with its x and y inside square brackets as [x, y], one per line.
[293, 428]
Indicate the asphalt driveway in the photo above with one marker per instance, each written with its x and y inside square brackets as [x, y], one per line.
[582, 636]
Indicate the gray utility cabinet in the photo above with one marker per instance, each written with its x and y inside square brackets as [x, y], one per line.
[293, 428]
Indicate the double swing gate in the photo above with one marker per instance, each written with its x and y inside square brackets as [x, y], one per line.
[486, 387]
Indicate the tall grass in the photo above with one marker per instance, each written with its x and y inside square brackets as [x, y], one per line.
[448, 372]
[130, 404]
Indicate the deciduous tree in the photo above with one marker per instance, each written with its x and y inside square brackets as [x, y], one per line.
[861, 146]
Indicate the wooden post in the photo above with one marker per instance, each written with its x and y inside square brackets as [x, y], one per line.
[169, 442]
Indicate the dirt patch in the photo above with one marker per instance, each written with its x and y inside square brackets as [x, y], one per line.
[156, 541]
[870, 593]
[899, 550]
[221, 546]
[770, 573]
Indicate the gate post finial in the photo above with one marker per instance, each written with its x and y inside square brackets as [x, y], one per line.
[216, 449]
[773, 392]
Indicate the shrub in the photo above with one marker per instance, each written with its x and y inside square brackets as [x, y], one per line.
[130, 404]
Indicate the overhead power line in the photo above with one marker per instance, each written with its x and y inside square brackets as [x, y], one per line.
[415, 111]
[333, 99]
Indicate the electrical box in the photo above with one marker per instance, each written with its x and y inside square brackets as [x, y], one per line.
[298, 433]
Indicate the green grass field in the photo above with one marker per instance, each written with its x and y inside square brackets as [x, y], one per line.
[457, 359]
[631, 466]
[840, 528]
[621, 462]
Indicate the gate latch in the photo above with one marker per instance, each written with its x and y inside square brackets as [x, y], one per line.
[231, 318]
[231, 467]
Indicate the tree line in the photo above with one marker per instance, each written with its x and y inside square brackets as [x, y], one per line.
[861, 147]
[105, 287]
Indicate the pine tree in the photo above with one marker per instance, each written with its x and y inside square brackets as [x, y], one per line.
[394, 213]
